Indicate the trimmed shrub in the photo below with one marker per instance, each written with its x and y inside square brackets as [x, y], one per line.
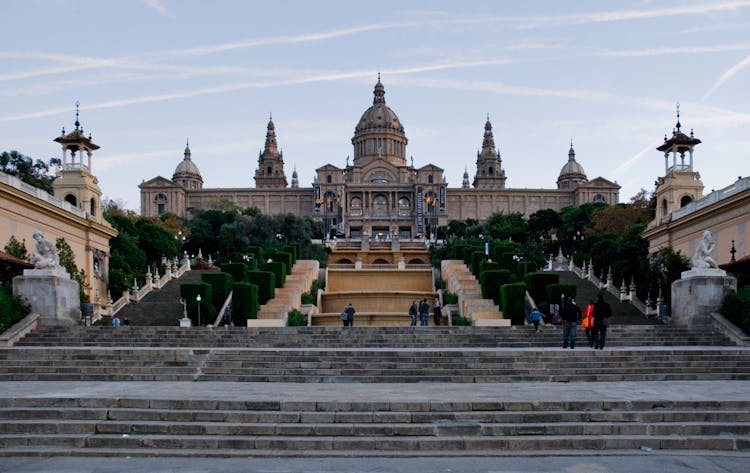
[256, 251]
[440, 284]
[207, 313]
[221, 284]
[468, 250]
[450, 298]
[296, 318]
[507, 262]
[457, 251]
[462, 321]
[492, 281]
[514, 302]
[524, 268]
[555, 291]
[237, 270]
[12, 308]
[287, 259]
[537, 285]
[293, 249]
[244, 303]
[476, 259]
[266, 282]
[487, 265]
[279, 270]
[736, 308]
[308, 298]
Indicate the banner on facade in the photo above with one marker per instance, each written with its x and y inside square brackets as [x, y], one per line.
[441, 199]
[420, 211]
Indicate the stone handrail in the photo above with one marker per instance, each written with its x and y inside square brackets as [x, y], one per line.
[19, 330]
[138, 293]
[220, 315]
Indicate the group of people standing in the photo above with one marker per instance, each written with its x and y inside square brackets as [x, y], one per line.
[423, 312]
[594, 320]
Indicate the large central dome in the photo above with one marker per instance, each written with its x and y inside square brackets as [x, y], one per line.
[379, 133]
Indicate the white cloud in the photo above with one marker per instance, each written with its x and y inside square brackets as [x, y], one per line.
[729, 74]
[157, 6]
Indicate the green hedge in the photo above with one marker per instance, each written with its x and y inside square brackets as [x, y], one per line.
[514, 302]
[207, 311]
[507, 262]
[537, 285]
[296, 318]
[245, 303]
[457, 252]
[256, 251]
[736, 308]
[491, 282]
[12, 308]
[221, 284]
[286, 258]
[237, 270]
[450, 298]
[476, 260]
[487, 265]
[555, 291]
[293, 249]
[266, 282]
[279, 270]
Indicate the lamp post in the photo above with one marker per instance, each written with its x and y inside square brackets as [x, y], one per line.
[180, 238]
[577, 240]
[198, 300]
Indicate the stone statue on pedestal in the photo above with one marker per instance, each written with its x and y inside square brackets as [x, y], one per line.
[702, 258]
[46, 256]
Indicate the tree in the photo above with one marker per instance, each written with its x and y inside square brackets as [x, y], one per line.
[67, 261]
[17, 249]
[35, 173]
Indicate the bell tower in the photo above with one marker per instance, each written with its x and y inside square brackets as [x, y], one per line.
[270, 172]
[75, 182]
[490, 174]
[680, 184]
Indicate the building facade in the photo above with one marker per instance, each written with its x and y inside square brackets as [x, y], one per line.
[73, 213]
[683, 213]
[379, 193]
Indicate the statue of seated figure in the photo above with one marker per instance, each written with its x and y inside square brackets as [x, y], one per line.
[702, 258]
[45, 256]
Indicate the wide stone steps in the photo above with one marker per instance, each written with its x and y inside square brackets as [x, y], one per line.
[356, 337]
[373, 365]
[168, 427]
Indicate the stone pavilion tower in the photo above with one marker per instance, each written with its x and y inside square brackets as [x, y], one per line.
[270, 172]
[490, 174]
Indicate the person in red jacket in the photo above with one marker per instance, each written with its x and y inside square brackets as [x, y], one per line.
[588, 322]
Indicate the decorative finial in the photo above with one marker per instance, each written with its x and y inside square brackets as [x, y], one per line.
[187, 142]
[678, 117]
[488, 116]
[571, 143]
[732, 251]
[63, 131]
[270, 116]
[378, 76]
[77, 122]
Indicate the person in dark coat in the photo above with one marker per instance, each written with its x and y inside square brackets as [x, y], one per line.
[424, 312]
[350, 315]
[571, 315]
[437, 311]
[602, 313]
[413, 312]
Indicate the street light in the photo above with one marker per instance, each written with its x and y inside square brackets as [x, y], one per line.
[180, 238]
[198, 300]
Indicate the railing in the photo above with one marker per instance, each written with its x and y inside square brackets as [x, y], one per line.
[153, 282]
[713, 197]
[40, 194]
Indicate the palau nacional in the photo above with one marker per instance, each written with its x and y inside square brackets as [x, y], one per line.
[379, 194]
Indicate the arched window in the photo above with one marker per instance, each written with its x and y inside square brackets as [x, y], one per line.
[491, 171]
[686, 199]
[404, 207]
[599, 198]
[71, 199]
[664, 207]
[269, 171]
[430, 179]
[355, 207]
[380, 206]
[92, 206]
[329, 179]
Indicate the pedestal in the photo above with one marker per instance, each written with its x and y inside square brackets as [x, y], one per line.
[51, 294]
[699, 293]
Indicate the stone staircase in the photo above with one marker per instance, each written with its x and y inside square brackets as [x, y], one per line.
[370, 391]
[624, 312]
[459, 280]
[263, 426]
[160, 307]
[274, 312]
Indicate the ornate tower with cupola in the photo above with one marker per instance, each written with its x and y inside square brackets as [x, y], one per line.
[75, 182]
[572, 174]
[680, 184]
[490, 174]
[270, 172]
[186, 174]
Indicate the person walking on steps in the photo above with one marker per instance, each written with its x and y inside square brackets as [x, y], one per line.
[571, 315]
[587, 323]
[413, 312]
[535, 317]
[350, 315]
[437, 312]
[602, 313]
[424, 312]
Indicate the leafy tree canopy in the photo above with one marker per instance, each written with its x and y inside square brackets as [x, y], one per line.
[35, 173]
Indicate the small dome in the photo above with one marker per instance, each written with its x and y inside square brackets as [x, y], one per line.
[379, 116]
[186, 168]
[572, 168]
[572, 172]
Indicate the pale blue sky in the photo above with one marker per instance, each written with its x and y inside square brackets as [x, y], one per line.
[151, 73]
